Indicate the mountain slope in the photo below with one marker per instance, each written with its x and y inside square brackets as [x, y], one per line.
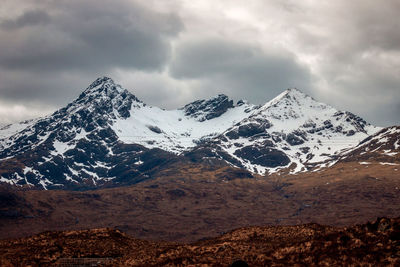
[181, 129]
[76, 146]
[191, 201]
[105, 137]
[108, 137]
[382, 147]
[292, 130]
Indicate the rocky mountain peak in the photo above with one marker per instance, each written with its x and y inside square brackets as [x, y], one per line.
[102, 88]
[291, 97]
[99, 81]
[104, 96]
[207, 109]
[93, 111]
[294, 91]
[293, 129]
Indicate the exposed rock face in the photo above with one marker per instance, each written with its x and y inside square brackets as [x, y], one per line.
[293, 140]
[208, 109]
[252, 129]
[267, 157]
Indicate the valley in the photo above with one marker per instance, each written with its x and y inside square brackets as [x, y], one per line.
[198, 202]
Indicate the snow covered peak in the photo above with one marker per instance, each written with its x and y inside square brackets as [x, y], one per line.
[99, 81]
[294, 91]
[207, 109]
[104, 96]
[291, 97]
[103, 87]
[293, 130]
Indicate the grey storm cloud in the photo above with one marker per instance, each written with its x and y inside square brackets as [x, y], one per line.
[50, 53]
[358, 45]
[29, 18]
[344, 53]
[88, 35]
[239, 69]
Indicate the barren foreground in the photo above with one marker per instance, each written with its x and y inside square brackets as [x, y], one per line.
[309, 244]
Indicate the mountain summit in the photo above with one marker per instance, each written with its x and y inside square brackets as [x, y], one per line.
[104, 96]
[295, 131]
[109, 137]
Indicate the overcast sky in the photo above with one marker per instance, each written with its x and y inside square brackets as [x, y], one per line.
[171, 52]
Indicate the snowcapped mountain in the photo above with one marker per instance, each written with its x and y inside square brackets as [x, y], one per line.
[109, 137]
[292, 131]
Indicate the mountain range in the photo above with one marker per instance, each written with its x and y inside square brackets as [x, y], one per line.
[107, 137]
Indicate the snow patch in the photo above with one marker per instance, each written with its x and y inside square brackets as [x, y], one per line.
[388, 163]
[60, 148]
[397, 144]
[178, 132]
[388, 152]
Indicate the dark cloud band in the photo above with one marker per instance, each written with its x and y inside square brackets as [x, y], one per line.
[345, 53]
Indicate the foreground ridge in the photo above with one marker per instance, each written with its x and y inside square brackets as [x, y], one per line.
[309, 244]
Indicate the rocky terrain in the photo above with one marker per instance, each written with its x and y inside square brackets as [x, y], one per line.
[107, 137]
[375, 243]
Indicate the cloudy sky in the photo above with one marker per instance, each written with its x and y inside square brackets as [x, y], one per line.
[170, 52]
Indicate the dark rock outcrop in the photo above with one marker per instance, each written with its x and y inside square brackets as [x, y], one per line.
[208, 109]
[264, 156]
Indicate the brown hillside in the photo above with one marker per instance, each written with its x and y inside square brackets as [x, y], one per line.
[190, 202]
